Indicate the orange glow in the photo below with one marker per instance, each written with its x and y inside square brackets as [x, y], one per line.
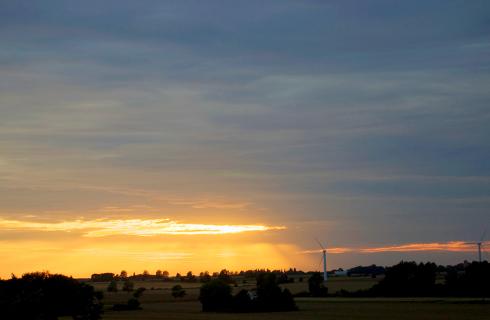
[81, 259]
[452, 246]
[83, 247]
[330, 250]
[132, 227]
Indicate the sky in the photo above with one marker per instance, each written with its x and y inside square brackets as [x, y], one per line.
[202, 135]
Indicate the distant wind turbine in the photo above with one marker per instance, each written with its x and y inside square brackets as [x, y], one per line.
[324, 260]
[479, 244]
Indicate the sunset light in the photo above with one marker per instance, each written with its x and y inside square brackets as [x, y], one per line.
[132, 227]
[451, 246]
[244, 157]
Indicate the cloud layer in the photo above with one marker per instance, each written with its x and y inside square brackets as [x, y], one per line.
[360, 123]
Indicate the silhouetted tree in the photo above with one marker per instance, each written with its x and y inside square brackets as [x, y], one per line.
[474, 281]
[102, 277]
[112, 287]
[408, 279]
[270, 297]
[123, 274]
[128, 285]
[215, 296]
[283, 278]
[132, 304]
[190, 277]
[224, 276]
[204, 277]
[287, 301]
[242, 302]
[43, 296]
[316, 286]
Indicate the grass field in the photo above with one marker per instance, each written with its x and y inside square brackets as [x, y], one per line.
[321, 309]
[159, 304]
[160, 291]
[336, 284]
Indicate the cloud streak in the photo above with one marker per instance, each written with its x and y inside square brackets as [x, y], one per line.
[132, 227]
[451, 246]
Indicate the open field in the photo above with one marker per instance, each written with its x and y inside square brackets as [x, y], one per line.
[336, 284]
[159, 291]
[159, 304]
[322, 309]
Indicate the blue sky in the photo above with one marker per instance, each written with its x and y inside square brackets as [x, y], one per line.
[366, 122]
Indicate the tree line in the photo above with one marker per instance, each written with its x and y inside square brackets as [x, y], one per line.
[409, 279]
[203, 276]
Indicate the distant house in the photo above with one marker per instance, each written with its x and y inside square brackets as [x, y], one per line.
[252, 294]
[365, 271]
[339, 272]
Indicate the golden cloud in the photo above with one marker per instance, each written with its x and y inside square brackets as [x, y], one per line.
[133, 227]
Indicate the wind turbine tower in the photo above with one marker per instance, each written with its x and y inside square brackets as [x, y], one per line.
[479, 250]
[479, 245]
[325, 277]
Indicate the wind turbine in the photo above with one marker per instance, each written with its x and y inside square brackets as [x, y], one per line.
[324, 260]
[479, 244]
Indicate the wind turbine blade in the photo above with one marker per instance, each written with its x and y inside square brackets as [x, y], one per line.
[483, 235]
[319, 243]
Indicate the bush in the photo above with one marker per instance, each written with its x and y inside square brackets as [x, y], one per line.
[112, 287]
[132, 304]
[128, 286]
[178, 291]
[287, 301]
[242, 302]
[139, 292]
